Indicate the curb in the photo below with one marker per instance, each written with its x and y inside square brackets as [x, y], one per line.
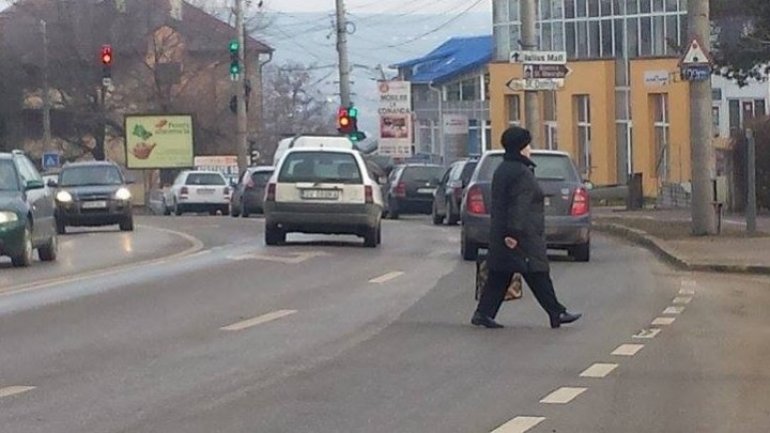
[657, 246]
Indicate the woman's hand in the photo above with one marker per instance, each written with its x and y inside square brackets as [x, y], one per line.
[511, 242]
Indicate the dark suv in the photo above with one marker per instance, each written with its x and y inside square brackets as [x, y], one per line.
[93, 193]
[26, 212]
[449, 195]
[411, 188]
[567, 205]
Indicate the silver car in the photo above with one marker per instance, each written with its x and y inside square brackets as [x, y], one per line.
[567, 205]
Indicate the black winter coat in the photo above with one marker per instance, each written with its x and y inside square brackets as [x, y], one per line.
[517, 211]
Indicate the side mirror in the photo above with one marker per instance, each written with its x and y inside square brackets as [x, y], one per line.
[34, 184]
[52, 183]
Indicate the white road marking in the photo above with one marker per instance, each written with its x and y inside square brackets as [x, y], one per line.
[647, 333]
[682, 300]
[563, 395]
[520, 424]
[14, 390]
[259, 320]
[673, 310]
[628, 349]
[387, 277]
[663, 321]
[599, 370]
[293, 259]
[687, 292]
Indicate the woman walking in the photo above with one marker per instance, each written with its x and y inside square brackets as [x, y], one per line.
[517, 235]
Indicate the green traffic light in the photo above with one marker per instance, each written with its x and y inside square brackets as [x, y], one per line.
[353, 112]
[234, 46]
[235, 69]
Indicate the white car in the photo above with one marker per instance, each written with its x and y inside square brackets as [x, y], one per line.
[323, 191]
[198, 191]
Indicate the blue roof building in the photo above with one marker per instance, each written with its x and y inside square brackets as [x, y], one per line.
[450, 87]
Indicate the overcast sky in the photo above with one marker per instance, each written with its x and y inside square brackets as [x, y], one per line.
[368, 6]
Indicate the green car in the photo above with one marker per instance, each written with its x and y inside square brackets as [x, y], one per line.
[26, 212]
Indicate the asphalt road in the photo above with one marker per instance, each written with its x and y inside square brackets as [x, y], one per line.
[328, 336]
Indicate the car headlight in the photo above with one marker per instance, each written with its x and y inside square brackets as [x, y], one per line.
[64, 197]
[8, 217]
[123, 194]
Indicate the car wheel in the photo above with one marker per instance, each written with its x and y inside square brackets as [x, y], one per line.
[437, 219]
[581, 253]
[61, 228]
[50, 250]
[234, 211]
[274, 236]
[370, 238]
[25, 258]
[469, 249]
[451, 218]
[127, 225]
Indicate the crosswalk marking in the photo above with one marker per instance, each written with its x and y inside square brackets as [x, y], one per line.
[663, 321]
[647, 333]
[682, 300]
[599, 370]
[627, 349]
[520, 424]
[673, 310]
[563, 395]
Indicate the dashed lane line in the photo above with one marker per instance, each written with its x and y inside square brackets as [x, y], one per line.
[520, 424]
[14, 390]
[627, 349]
[563, 395]
[673, 310]
[682, 300]
[599, 370]
[647, 334]
[663, 321]
[259, 320]
[387, 277]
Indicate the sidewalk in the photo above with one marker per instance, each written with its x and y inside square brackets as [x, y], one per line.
[666, 232]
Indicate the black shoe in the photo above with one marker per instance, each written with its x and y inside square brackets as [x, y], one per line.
[487, 322]
[564, 318]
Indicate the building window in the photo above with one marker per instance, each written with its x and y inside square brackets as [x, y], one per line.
[583, 110]
[470, 90]
[487, 143]
[453, 92]
[514, 109]
[607, 43]
[550, 121]
[662, 128]
[645, 36]
[514, 10]
[715, 120]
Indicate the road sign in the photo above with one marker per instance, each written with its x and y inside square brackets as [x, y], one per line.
[539, 57]
[546, 71]
[51, 160]
[518, 85]
[695, 55]
[696, 72]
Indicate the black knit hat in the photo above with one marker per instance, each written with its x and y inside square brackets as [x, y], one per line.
[515, 138]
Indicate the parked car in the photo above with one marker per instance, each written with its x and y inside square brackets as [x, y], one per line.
[567, 205]
[198, 191]
[93, 193]
[248, 195]
[449, 194]
[26, 212]
[411, 188]
[323, 191]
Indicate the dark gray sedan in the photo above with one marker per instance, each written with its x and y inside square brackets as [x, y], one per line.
[249, 193]
[567, 205]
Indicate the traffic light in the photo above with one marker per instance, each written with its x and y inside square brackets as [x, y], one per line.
[235, 59]
[344, 121]
[106, 57]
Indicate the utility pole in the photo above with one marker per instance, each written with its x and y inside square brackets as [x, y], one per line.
[46, 90]
[240, 81]
[703, 162]
[342, 50]
[531, 102]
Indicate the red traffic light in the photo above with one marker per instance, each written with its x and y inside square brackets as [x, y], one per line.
[107, 55]
[344, 122]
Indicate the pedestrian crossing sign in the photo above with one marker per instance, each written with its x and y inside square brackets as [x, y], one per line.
[51, 160]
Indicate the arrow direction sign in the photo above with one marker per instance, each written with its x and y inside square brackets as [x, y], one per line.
[539, 57]
[519, 85]
[546, 71]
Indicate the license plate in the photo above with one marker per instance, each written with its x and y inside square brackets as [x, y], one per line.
[95, 205]
[548, 201]
[430, 191]
[320, 194]
[205, 191]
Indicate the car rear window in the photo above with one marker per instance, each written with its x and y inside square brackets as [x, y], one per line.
[9, 178]
[205, 179]
[549, 167]
[330, 167]
[261, 177]
[468, 171]
[91, 175]
[422, 174]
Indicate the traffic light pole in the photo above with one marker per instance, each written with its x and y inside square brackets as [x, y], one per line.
[242, 121]
[46, 90]
[342, 50]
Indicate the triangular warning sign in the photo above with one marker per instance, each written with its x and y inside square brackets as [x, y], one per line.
[696, 55]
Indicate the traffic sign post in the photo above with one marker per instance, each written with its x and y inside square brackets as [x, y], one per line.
[538, 71]
[696, 64]
[523, 85]
[539, 57]
[51, 160]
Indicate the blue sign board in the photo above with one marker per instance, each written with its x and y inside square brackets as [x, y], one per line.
[51, 160]
[696, 72]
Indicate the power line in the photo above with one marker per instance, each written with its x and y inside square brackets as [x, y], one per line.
[438, 28]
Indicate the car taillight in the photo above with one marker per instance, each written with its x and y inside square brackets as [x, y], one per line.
[475, 203]
[369, 194]
[184, 191]
[580, 202]
[270, 196]
[400, 190]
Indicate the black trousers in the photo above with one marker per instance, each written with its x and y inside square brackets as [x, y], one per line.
[539, 282]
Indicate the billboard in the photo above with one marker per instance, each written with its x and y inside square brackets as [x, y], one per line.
[159, 141]
[395, 118]
[225, 164]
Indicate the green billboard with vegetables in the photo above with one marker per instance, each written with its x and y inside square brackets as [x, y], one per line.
[159, 141]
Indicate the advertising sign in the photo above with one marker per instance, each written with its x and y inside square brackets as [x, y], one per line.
[226, 164]
[395, 118]
[455, 124]
[159, 141]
